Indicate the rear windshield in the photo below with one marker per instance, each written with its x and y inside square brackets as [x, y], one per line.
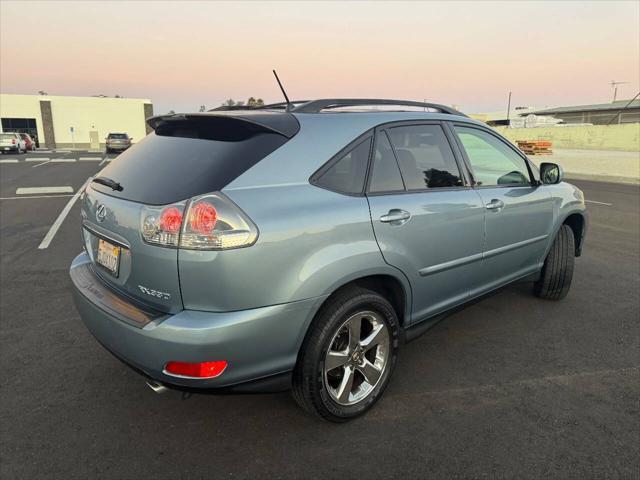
[119, 136]
[186, 159]
[6, 136]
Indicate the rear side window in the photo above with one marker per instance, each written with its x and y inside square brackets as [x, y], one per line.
[188, 158]
[425, 157]
[347, 174]
[386, 174]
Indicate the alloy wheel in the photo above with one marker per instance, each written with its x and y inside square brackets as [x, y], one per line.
[357, 358]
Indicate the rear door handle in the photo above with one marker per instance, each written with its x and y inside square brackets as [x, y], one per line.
[396, 217]
[495, 204]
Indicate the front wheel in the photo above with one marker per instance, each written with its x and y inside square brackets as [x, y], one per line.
[348, 356]
[557, 271]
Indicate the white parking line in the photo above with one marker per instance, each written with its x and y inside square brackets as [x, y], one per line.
[90, 159]
[599, 203]
[29, 197]
[63, 214]
[40, 159]
[63, 160]
[9, 160]
[43, 190]
[105, 160]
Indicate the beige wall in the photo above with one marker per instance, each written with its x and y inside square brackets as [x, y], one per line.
[23, 106]
[84, 114]
[624, 137]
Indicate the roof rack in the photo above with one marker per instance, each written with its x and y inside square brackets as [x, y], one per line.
[316, 106]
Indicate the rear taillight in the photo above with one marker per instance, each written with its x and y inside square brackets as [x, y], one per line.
[210, 222]
[13, 141]
[161, 225]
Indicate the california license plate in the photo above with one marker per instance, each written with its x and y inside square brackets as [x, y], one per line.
[108, 256]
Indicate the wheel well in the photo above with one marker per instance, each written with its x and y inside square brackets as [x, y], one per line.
[385, 285]
[576, 222]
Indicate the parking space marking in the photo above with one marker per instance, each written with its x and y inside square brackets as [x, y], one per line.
[29, 197]
[63, 160]
[105, 160]
[599, 203]
[63, 214]
[41, 159]
[90, 159]
[9, 160]
[43, 190]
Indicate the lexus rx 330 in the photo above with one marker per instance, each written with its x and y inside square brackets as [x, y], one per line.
[300, 247]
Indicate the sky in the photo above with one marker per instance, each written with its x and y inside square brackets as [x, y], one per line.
[185, 54]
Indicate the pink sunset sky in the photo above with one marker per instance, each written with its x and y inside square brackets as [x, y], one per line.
[185, 54]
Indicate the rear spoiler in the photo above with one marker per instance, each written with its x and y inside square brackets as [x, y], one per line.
[281, 123]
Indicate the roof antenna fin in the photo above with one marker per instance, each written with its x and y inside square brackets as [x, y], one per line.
[289, 106]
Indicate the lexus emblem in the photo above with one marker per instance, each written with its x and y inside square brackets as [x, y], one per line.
[101, 213]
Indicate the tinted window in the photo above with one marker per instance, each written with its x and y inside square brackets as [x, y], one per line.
[425, 157]
[347, 174]
[119, 136]
[386, 174]
[493, 162]
[188, 158]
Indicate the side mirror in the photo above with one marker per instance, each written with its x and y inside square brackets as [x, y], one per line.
[551, 173]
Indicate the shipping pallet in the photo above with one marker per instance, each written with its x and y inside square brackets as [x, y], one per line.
[537, 147]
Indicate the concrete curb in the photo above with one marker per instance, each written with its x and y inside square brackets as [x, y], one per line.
[602, 178]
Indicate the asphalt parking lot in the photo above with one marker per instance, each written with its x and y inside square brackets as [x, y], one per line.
[510, 387]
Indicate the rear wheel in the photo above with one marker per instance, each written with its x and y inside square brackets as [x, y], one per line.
[348, 357]
[557, 271]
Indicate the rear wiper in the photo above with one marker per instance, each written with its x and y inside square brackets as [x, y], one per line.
[112, 184]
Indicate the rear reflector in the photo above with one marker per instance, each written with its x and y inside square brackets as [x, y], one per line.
[196, 370]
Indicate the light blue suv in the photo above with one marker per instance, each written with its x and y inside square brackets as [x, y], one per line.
[299, 246]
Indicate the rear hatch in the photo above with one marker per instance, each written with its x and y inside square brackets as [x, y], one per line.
[185, 157]
[7, 140]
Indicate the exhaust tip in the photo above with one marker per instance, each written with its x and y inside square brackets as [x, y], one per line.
[156, 387]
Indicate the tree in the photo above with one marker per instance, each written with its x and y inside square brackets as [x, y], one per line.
[252, 102]
[229, 103]
[42, 92]
[202, 108]
[171, 112]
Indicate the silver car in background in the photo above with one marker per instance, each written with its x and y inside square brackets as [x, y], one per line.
[299, 247]
[117, 142]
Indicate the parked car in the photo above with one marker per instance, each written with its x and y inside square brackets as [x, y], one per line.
[11, 142]
[29, 143]
[117, 142]
[269, 249]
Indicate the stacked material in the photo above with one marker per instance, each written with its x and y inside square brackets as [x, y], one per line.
[535, 147]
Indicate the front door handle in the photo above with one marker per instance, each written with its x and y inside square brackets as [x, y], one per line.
[396, 217]
[495, 205]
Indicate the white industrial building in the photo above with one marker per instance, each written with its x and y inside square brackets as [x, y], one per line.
[74, 122]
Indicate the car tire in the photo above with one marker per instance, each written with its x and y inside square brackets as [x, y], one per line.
[321, 389]
[557, 271]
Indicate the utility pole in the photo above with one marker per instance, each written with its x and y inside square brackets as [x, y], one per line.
[614, 85]
[508, 108]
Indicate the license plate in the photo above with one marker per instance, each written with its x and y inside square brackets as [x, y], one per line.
[108, 256]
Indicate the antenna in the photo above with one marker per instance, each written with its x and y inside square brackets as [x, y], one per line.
[283, 92]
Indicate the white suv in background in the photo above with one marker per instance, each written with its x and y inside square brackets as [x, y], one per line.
[12, 142]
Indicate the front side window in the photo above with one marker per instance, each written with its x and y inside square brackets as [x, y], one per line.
[386, 174]
[425, 157]
[493, 162]
[347, 174]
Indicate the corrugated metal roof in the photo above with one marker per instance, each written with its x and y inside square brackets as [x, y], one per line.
[589, 108]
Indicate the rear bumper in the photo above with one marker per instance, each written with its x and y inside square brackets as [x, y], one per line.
[9, 148]
[260, 344]
[117, 146]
